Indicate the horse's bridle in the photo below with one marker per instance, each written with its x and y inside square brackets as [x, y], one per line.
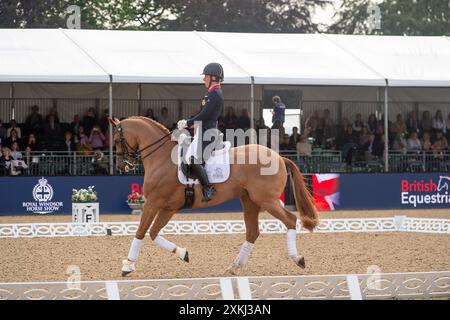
[131, 158]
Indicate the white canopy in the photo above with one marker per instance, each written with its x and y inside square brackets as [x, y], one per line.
[50, 55]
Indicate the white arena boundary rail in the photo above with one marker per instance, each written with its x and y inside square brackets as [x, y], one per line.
[423, 285]
[197, 227]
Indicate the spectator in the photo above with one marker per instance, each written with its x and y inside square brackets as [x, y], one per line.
[328, 126]
[400, 125]
[341, 131]
[312, 123]
[69, 143]
[426, 142]
[3, 131]
[104, 122]
[284, 145]
[34, 121]
[350, 144]
[412, 124]
[399, 143]
[364, 137]
[439, 145]
[438, 122]
[15, 152]
[100, 163]
[82, 142]
[13, 126]
[150, 114]
[278, 111]
[89, 120]
[13, 137]
[32, 143]
[165, 119]
[75, 124]
[427, 122]
[294, 138]
[373, 147]
[244, 120]
[5, 161]
[52, 112]
[230, 120]
[372, 123]
[52, 128]
[304, 147]
[413, 143]
[358, 125]
[97, 139]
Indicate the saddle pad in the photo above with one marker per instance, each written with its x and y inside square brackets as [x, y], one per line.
[217, 167]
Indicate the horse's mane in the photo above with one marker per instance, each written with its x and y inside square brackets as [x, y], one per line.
[151, 122]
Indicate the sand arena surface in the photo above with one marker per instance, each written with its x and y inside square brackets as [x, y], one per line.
[99, 258]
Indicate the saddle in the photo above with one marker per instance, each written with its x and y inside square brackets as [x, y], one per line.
[217, 166]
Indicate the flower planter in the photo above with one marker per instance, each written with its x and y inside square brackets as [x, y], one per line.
[87, 212]
[136, 208]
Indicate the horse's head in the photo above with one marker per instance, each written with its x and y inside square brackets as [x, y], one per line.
[444, 182]
[126, 144]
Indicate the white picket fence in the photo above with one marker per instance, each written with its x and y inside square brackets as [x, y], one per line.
[200, 227]
[422, 285]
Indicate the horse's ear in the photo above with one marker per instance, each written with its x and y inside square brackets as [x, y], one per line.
[114, 121]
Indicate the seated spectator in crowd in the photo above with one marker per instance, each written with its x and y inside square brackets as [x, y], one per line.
[304, 147]
[426, 141]
[89, 120]
[97, 139]
[439, 145]
[438, 122]
[75, 124]
[100, 163]
[15, 151]
[5, 161]
[328, 125]
[412, 123]
[399, 143]
[244, 120]
[284, 145]
[165, 119]
[13, 137]
[3, 131]
[358, 125]
[13, 126]
[364, 136]
[52, 128]
[427, 122]
[82, 142]
[34, 122]
[104, 122]
[373, 147]
[150, 114]
[400, 125]
[69, 142]
[52, 112]
[32, 142]
[294, 138]
[372, 123]
[413, 143]
[230, 120]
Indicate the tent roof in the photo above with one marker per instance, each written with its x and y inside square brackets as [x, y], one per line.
[61, 55]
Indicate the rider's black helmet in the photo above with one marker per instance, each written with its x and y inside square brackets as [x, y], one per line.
[214, 69]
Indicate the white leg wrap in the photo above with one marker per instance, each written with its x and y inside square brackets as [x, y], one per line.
[291, 243]
[136, 245]
[165, 244]
[244, 254]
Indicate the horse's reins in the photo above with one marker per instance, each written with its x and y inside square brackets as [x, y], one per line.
[135, 155]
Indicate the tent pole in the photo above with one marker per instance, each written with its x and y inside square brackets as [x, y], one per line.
[386, 129]
[111, 158]
[252, 110]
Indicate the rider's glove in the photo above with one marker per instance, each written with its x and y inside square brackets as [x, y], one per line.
[182, 124]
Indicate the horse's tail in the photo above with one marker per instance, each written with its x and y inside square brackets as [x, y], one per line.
[303, 198]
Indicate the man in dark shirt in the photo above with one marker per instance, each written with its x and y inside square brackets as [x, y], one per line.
[278, 112]
[212, 107]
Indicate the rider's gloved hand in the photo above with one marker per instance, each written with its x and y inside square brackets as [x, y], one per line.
[182, 124]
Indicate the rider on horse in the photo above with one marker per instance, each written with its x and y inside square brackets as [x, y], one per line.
[212, 107]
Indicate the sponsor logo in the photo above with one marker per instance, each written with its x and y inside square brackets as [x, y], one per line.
[42, 195]
[415, 193]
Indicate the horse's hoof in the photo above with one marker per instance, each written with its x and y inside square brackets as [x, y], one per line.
[127, 267]
[124, 273]
[231, 270]
[301, 262]
[186, 256]
[182, 253]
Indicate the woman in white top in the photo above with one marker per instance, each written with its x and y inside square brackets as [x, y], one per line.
[13, 125]
[438, 122]
[413, 143]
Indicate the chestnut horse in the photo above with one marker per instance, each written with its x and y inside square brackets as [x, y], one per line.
[164, 194]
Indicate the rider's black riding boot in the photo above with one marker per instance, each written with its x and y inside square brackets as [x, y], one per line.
[200, 172]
